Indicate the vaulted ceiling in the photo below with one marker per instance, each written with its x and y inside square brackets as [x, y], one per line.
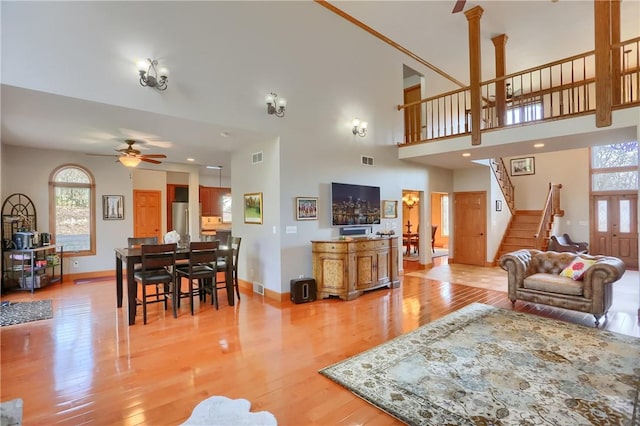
[69, 66]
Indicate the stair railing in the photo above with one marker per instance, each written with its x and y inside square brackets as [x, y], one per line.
[502, 176]
[551, 209]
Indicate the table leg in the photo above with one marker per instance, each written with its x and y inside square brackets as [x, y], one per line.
[132, 289]
[119, 282]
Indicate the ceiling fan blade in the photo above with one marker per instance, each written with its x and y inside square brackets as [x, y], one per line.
[153, 156]
[149, 160]
[459, 6]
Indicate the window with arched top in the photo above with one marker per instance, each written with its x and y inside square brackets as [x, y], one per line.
[72, 219]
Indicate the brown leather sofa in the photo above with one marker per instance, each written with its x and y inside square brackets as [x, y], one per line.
[534, 276]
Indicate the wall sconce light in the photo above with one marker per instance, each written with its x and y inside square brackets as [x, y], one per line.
[359, 127]
[275, 106]
[128, 161]
[149, 74]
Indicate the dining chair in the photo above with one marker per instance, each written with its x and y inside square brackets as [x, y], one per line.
[158, 269]
[234, 244]
[201, 267]
[134, 242]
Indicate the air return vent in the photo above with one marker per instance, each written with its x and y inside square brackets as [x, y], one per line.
[366, 161]
[256, 157]
[258, 288]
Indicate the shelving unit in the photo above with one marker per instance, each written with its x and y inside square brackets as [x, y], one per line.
[30, 267]
[27, 268]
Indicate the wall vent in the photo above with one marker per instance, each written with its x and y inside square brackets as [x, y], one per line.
[258, 288]
[366, 161]
[256, 157]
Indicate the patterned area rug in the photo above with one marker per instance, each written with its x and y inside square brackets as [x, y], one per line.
[220, 410]
[483, 365]
[20, 312]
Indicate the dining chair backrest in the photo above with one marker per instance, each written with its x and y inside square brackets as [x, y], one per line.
[234, 243]
[156, 256]
[138, 241]
[223, 236]
[202, 252]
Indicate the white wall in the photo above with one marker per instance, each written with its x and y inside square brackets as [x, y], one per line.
[569, 168]
[27, 171]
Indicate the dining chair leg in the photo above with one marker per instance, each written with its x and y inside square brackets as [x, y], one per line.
[191, 293]
[144, 304]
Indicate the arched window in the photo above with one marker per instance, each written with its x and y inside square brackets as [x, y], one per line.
[72, 216]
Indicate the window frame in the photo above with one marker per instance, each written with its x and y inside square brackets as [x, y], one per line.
[92, 203]
[609, 170]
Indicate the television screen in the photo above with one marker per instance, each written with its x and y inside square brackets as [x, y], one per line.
[354, 204]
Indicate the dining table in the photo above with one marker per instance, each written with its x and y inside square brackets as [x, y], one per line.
[133, 256]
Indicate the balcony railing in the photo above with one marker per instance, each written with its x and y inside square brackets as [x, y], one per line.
[560, 89]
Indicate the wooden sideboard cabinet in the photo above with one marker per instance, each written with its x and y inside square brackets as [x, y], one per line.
[347, 268]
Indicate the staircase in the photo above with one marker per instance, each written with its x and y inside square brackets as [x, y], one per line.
[522, 232]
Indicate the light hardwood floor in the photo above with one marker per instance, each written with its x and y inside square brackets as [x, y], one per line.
[86, 366]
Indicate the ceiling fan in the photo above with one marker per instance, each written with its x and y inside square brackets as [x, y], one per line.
[131, 157]
[131, 152]
[458, 6]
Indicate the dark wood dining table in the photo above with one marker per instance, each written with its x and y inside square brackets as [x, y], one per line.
[132, 256]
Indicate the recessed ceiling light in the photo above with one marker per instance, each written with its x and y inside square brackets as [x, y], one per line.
[191, 159]
[538, 145]
[225, 134]
[214, 167]
[466, 154]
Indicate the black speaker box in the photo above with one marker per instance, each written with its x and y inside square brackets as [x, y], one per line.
[303, 290]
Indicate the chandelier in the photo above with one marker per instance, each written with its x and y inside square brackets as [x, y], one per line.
[149, 74]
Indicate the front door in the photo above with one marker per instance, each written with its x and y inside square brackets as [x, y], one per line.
[146, 214]
[470, 224]
[615, 227]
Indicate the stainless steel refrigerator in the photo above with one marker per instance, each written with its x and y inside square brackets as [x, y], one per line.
[180, 219]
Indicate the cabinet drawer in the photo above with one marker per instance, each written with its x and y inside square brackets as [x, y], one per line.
[330, 247]
[372, 245]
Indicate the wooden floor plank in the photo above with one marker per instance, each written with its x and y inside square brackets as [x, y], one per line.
[87, 366]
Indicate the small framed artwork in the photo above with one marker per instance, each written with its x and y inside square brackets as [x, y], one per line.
[389, 209]
[306, 208]
[498, 205]
[253, 208]
[523, 166]
[113, 207]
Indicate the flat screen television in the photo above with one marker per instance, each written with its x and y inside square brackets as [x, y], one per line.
[354, 204]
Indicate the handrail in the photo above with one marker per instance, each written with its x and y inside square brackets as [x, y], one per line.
[508, 190]
[560, 89]
[551, 208]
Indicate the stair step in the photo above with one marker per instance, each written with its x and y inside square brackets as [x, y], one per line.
[521, 232]
[523, 241]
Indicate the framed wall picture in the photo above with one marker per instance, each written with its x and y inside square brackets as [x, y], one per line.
[113, 207]
[253, 208]
[523, 166]
[389, 209]
[306, 208]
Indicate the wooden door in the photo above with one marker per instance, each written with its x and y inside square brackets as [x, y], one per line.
[412, 116]
[147, 214]
[470, 225]
[615, 227]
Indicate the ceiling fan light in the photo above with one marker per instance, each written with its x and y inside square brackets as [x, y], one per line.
[129, 161]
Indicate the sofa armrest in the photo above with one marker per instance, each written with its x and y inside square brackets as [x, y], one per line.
[518, 266]
[606, 270]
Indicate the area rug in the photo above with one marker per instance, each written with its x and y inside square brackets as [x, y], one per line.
[488, 366]
[21, 312]
[11, 412]
[488, 278]
[220, 410]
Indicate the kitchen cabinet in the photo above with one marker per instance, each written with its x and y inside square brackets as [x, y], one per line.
[211, 200]
[348, 268]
